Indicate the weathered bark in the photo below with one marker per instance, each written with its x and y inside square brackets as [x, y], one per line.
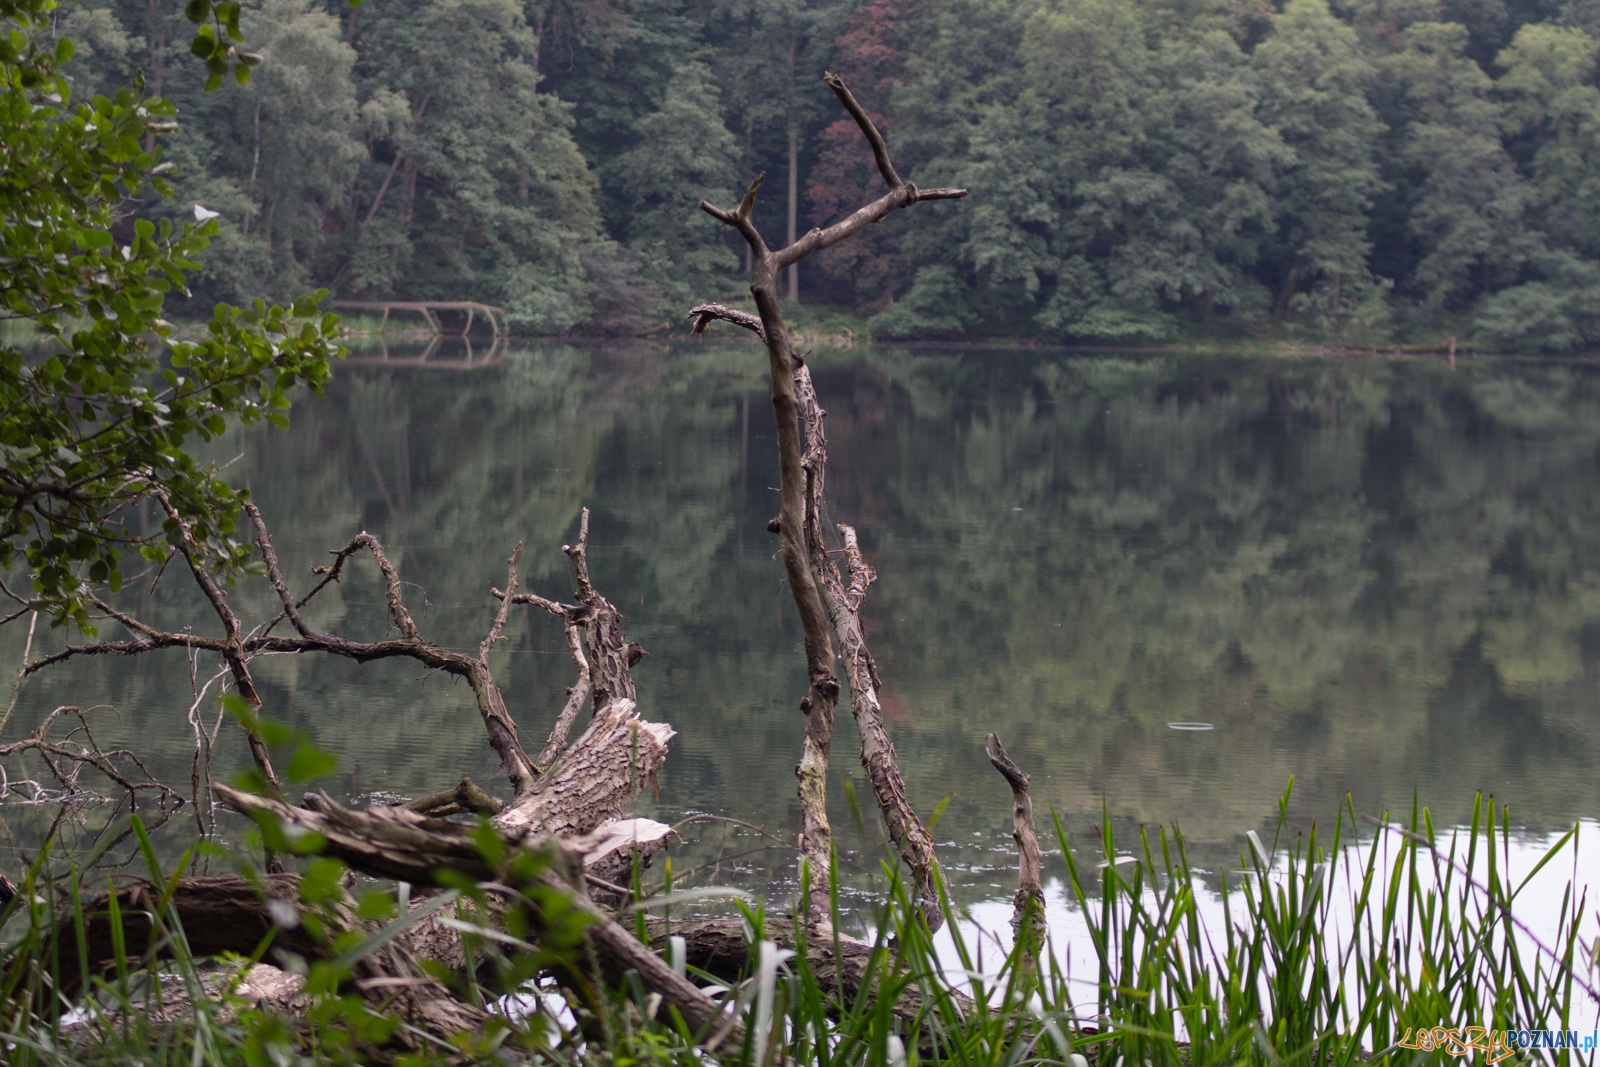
[1027, 906]
[465, 798]
[842, 606]
[910, 837]
[393, 843]
[603, 770]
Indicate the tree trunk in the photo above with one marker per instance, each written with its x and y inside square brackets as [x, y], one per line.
[1280, 307]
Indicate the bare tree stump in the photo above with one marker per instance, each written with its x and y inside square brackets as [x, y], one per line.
[1027, 906]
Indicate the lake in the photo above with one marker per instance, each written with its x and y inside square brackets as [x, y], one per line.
[1380, 577]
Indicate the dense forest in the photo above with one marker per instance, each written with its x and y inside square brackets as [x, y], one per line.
[1372, 170]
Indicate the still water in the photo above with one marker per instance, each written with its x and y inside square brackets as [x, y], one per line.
[1380, 577]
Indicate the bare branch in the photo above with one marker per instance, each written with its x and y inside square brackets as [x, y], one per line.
[861, 573]
[900, 196]
[826, 609]
[466, 797]
[505, 606]
[560, 611]
[880, 151]
[232, 650]
[739, 218]
[22, 672]
[66, 758]
[704, 313]
[579, 555]
[491, 704]
[911, 838]
[575, 698]
[125, 648]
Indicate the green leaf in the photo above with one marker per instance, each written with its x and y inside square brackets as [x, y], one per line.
[308, 763]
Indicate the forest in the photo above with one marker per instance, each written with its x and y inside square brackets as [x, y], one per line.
[1373, 171]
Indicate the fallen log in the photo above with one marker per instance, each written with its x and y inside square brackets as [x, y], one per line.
[230, 914]
[394, 843]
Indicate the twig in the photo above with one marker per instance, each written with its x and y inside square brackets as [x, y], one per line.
[704, 314]
[232, 648]
[505, 607]
[497, 721]
[22, 672]
[579, 555]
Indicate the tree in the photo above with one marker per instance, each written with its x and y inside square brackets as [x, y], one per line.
[95, 422]
[1314, 92]
[1554, 109]
[1188, 215]
[484, 190]
[682, 150]
[871, 55]
[1468, 204]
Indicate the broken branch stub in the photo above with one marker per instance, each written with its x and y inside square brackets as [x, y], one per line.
[823, 613]
[1027, 906]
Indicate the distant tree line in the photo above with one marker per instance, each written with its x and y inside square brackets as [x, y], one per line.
[1375, 169]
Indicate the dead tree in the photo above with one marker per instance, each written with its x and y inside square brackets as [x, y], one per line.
[569, 799]
[828, 610]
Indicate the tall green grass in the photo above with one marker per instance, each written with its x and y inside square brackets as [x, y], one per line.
[1426, 935]
[1336, 948]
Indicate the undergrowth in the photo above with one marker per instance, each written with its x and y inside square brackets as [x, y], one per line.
[1334, 951]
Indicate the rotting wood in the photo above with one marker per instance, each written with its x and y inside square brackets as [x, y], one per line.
[228, 913]
[394, 843]
[799, 492]
[719, 946]
[463, 799]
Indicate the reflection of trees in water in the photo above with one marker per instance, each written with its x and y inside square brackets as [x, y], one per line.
[1368, 574]
[1313, 556]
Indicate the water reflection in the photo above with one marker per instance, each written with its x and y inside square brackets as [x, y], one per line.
[1375, 576]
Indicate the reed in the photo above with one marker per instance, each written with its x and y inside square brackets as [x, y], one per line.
[1334, 951]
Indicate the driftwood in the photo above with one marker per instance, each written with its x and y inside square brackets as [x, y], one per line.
[828, 611]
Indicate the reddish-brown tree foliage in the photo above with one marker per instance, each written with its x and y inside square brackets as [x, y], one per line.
[870, 54]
